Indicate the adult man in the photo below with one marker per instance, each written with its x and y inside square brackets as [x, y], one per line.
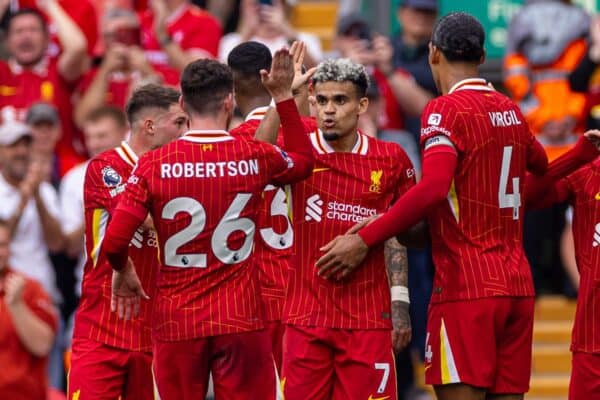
[28, 323]
[104, 129]
[30, 205]
[44, 122]
[175, 33]
[203, 191]
[337, 342]
[112, 358]
[30, 75]
[476, 150]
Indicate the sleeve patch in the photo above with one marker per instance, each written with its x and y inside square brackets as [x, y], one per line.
[110, 177]
[286, 157]
[434, 119]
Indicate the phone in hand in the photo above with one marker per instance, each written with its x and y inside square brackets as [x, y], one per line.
[265, 2]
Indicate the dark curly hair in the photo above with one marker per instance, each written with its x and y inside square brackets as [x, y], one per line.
[460, 37]
[204, 86]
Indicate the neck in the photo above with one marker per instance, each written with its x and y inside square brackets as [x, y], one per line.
[138, 144]
[344, 144]
[456, 73]
[208, 123]
[252, 103]
[410, 40]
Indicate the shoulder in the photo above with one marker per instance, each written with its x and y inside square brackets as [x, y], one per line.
[200, 14]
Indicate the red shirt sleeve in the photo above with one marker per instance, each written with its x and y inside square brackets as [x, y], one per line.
[97, 194]
[439, 164]
[203, 31]
[440, 119]
[40, 304]
[537, 160]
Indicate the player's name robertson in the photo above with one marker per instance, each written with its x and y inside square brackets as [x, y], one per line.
[209, 169]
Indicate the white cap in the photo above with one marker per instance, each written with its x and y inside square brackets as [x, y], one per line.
[12, 131]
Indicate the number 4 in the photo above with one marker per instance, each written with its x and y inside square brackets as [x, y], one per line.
[506, 200]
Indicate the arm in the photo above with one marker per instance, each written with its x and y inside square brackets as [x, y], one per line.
[541, 191]
[73, 60]
[567, 254]
[439, 164]
[34, 333]
[53, 234]
[580, 77]
[397, 268]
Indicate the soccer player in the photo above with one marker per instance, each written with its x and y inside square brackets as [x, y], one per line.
[275, 233]
[477, 148]
[337, 341]
[112, 358]
[203, 192]
[581, 190]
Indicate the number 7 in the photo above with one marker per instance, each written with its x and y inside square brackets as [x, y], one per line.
[386, 375]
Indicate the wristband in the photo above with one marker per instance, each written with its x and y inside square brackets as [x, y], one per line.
[400, 293]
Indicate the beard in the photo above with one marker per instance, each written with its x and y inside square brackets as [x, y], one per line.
[331, 136]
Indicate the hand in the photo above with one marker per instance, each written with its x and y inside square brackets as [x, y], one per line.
[138, 61]
[342, 255]
[383, 53]
[362, 224]
[249, 19]
[161, 13]
[115, 58]
[401, 329]
[593, 135]
[127, 292]
[298, 51]
[274, 17]
[30, 184]
[279, 80]
[14, 285]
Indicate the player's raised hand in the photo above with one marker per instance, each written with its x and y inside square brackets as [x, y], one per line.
[298, 51]
[593, 135]
[342, 255]
[127, 292]
[401, 328]
[279, 80]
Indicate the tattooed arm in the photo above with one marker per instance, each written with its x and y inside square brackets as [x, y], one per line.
[397, 268]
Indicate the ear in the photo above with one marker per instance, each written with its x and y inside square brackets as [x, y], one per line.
[434, 54]
[229, 103]
[363, 105]
[149, 126]
[482, 59]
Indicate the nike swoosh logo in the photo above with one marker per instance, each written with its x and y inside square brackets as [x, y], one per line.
[378, 398]
[597, 197]
[321, 170]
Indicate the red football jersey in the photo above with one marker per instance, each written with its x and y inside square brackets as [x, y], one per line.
[477, 234]
[272, 249]
[20, 88]
[105, 180]
[583, 188]
[344, 189]
[192, 28]
[203, 192]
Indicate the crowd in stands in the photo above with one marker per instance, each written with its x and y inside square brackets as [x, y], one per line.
[69, 66]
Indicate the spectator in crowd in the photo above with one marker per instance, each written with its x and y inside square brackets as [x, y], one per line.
[411, 51]
[401, 94]
[269, 25]
[82, 12]
[103, 129]
[537, 63]
[44, 122]
[175, 33]
[30, 75]
[28, 323]
[123, 67]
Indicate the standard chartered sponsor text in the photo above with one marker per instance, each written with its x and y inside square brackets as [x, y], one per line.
[348, 212]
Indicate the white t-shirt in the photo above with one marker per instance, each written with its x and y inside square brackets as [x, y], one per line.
[313, 44]
[71, 203]
[28, 249]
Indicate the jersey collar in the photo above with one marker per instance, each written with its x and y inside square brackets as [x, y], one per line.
[41, 68]
[322, 147]
[257, 114]
[128, 155]
[471, 84]
[207, 136]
